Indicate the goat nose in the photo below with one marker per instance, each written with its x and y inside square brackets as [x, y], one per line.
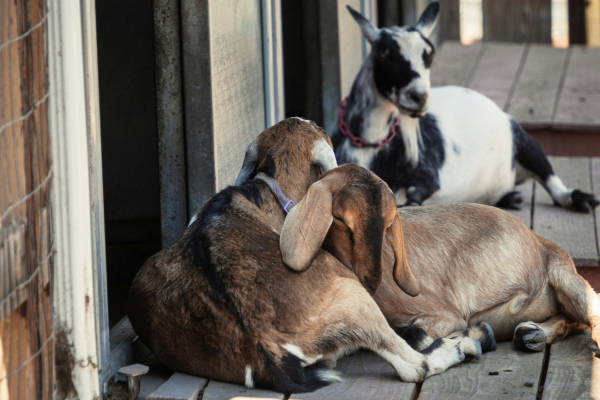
[418, 97]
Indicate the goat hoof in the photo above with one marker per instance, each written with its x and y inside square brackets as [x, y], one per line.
[488, 339]
[511, 201]
[529, 337]
[583, 202]
[471, 348]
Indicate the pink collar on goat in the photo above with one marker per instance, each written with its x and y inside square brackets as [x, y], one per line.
[285, 202]
[358, 141]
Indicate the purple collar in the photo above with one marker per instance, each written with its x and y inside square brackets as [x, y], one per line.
[286, 203]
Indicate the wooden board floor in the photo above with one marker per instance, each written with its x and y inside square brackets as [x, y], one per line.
[554, 93]
[577, 233]
[542, 87]
[565, 370]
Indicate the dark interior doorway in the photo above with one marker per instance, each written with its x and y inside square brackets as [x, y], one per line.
[125, 37]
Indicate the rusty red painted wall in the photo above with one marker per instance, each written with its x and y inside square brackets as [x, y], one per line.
[571, 144]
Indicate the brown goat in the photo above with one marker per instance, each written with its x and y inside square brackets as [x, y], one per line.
[473, 262]
[220, 303]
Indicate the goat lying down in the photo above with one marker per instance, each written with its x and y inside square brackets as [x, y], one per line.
[473, 262]
[440, 145]
[219, 302]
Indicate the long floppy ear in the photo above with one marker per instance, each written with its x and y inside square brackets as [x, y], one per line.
[306, 226]
[369, 30]
[402, 272]
[429, 19]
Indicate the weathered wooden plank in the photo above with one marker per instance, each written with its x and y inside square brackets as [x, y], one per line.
[530, 21]
[573, 231]
[154, 379]
[518, 377]
[449, 24]
[454, 63]
[179, 387]
[579, 102]
[225, 391]
[536, 91]
[366, 376]
[595, 167]
[125, 349]
[573, 371]
[524, 214]
[496, 71]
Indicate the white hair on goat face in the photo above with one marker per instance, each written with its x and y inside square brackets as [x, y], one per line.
[402, 59]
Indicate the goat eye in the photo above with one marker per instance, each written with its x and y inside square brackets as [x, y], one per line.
[427, 59]
[382, 56]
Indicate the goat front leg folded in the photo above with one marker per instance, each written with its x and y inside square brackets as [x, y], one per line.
[440, 355]
[430, 326]
[355, 321]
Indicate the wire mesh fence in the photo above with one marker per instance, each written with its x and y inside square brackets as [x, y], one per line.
[26, 245]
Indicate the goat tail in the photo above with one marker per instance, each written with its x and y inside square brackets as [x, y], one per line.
[577, 298]
[289, 376]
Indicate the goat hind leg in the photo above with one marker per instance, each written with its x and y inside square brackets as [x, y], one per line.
[531, 336]
[577, 300]
[533, 162]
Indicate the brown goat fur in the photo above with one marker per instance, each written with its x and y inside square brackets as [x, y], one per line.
[220, 303]
[473, 263]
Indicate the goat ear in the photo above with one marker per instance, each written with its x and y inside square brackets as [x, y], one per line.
[370, 32]
[429, 19]
[402, 272]
[250, 161]
[306, 226]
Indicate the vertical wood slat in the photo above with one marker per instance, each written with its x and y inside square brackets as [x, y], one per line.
[449, 22]
[169, 115]
[228, 100]
[237, 83]
[573, 231]
[96, 182]
[330, 61]
[517, 21]
[273, 61]
[198, 103]
[342, 52]
[577, 22]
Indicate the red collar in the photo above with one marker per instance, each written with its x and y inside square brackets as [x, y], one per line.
[358, 141]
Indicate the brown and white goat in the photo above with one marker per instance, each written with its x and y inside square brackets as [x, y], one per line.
[473, 262]
[220, 303]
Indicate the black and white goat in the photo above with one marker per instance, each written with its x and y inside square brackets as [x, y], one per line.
[447, 144]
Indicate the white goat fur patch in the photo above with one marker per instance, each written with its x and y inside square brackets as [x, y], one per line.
[249, 382]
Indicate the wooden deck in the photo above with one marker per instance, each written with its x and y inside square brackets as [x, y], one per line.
[577, 233]
[554, 93]
[565, 370]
